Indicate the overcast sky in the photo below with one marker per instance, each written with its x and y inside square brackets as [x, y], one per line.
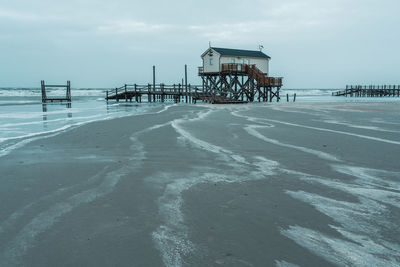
[104, 43]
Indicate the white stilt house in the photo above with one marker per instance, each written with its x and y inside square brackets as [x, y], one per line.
[238, 75]
[214, 57]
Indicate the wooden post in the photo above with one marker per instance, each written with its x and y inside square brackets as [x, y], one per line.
[287, 97]
[179, 92]
[154, 83]
[294, 97]
[186, 89]
[148, 93]
[154, 77]
[162, 92]
[190, 94]
[43, 91]
[69, 91]
[126, 95]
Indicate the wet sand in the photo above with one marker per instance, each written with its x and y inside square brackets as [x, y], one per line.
[307, 184]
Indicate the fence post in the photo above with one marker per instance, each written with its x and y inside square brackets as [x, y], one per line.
[43, 91]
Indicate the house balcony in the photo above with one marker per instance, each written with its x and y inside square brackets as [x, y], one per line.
[201, 70]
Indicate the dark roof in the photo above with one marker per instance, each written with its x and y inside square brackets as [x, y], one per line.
[239, 52]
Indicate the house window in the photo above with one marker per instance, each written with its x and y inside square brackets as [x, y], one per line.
[211, 62]
[233, 61]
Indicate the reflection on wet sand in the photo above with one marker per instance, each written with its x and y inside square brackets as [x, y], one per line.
[44, 110]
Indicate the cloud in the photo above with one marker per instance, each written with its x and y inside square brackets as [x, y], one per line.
[132, 26]
[14, 15]
[24, 16]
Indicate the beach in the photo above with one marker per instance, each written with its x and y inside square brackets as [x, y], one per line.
[271, 184]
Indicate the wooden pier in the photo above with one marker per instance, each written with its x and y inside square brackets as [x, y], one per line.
[164, 93]
[369, 91]
[155, 93]
[46, 99]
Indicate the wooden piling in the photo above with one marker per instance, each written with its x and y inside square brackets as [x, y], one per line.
[126, 95]
[186, 89]
[43, 91]
[148, 93]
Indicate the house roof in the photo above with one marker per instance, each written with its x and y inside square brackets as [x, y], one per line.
[240, 53]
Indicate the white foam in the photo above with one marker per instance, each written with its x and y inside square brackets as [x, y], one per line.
[360, 217]
[251, 129]
[372, 177]
[366, 127]
[381, 121]
[176, 124]
[266, 166]
[362, 252]
[338, 132]
[285, 264]
[252, 119]
[361, 221]
[301, 108]
[377, 188]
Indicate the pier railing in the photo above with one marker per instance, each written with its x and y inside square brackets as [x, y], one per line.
[158, 88]
[235, 67]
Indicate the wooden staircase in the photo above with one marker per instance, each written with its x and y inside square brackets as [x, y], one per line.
[262, 79]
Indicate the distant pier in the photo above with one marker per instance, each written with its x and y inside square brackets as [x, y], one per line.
[369, 91]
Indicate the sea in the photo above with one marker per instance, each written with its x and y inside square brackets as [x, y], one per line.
[23, 117]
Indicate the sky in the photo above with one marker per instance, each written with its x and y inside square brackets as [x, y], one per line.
[105, 44]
